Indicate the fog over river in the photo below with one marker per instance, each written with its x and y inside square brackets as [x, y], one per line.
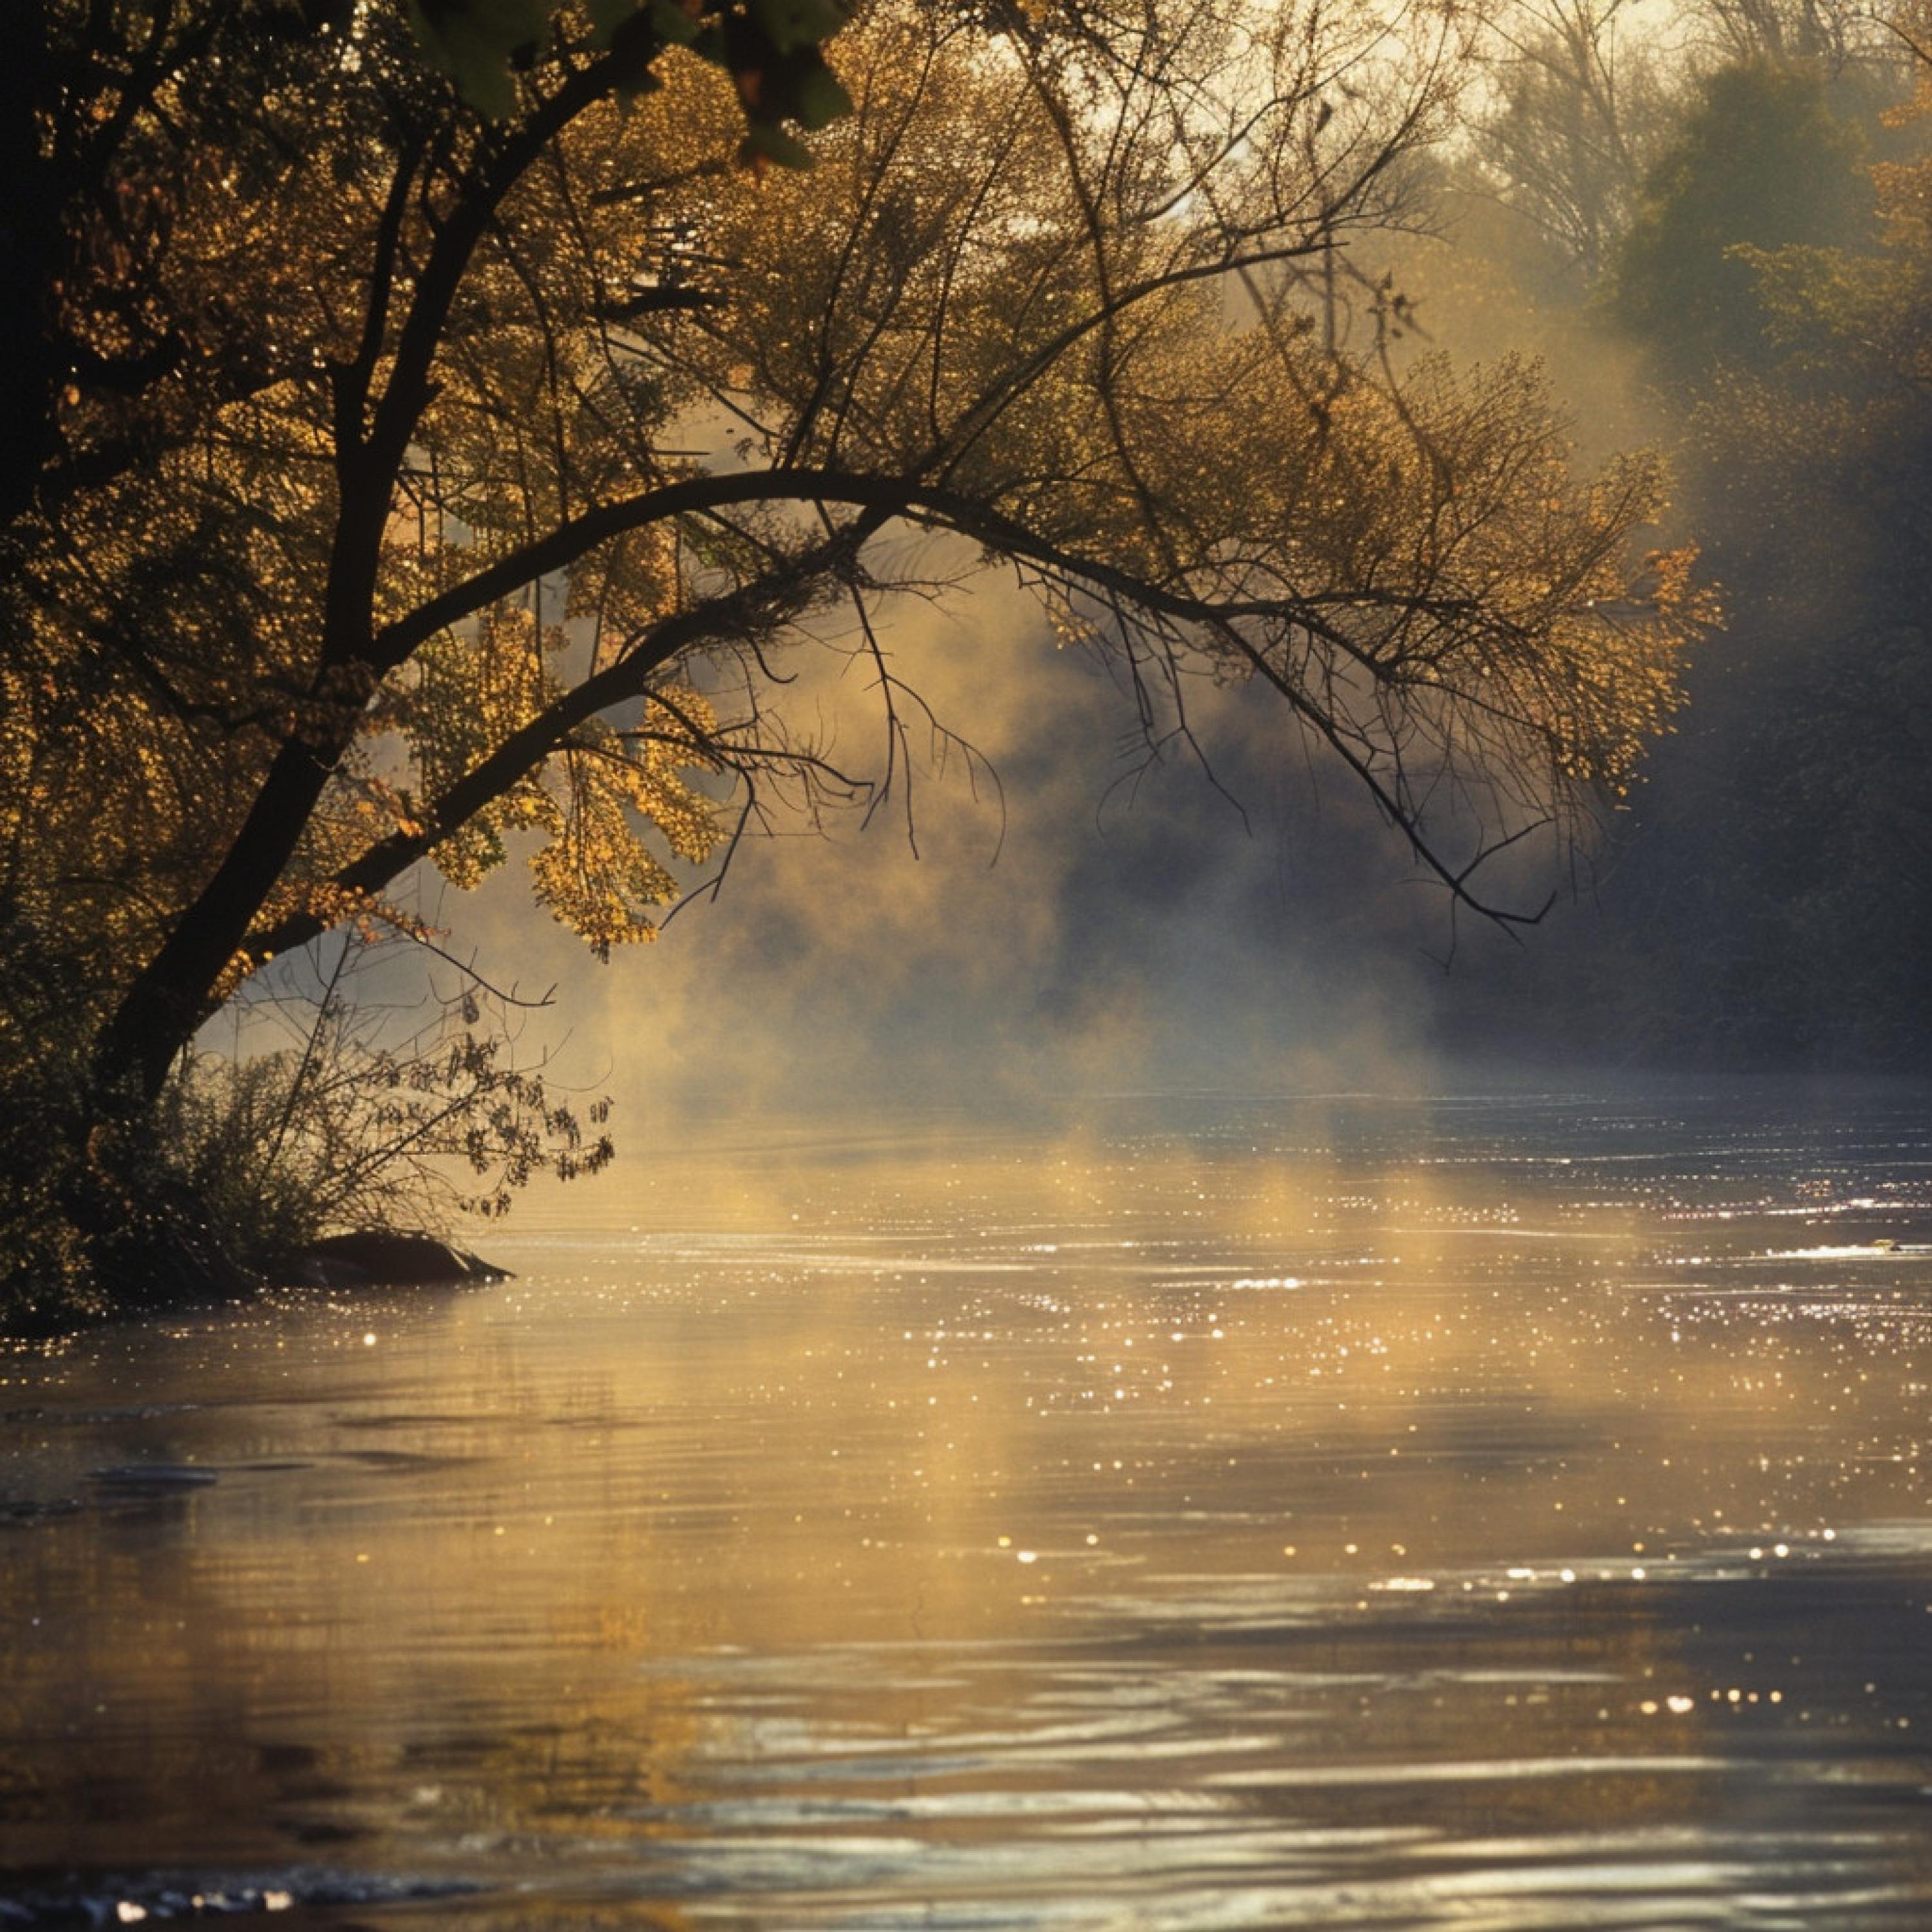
[1499, 1512]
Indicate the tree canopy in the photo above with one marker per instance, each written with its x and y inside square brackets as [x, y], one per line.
[1762, 297]
[418, 478]
[1762, 162]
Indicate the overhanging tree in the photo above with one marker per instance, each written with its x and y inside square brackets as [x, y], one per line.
[416, 475]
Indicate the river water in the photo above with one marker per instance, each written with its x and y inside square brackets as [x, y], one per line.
[1491, 1513]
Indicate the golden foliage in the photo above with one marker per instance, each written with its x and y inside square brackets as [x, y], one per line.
[1081, 295]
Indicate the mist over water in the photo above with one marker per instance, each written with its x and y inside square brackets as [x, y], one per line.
[1502, 1511]
[1089, 920]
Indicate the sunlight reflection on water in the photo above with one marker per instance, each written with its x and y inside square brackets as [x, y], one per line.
[1478, 1514]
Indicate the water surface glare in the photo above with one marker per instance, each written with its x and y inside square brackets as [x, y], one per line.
[1497, 1514]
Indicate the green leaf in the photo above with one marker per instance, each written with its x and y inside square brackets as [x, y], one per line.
[473, 41]
[766, 142]
[673, 25]
[606, 17]
[818, 98]
[789, 24]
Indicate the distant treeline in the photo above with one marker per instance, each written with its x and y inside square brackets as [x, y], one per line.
[1746, 216]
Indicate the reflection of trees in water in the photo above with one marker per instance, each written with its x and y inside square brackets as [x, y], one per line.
[297, 1664]
[699, 1618]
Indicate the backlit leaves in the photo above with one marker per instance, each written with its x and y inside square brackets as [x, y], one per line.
[1078, 289]
[587, 808]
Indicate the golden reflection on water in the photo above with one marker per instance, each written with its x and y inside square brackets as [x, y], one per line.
[1204, 1529]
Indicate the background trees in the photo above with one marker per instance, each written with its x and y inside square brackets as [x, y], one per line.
[1765, 902]
[419, 481]
[1579, 110]
[1761, 160]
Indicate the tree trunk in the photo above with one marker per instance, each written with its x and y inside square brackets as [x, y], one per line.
[174, 993]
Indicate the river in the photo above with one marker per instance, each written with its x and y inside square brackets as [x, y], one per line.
[1488, 1512]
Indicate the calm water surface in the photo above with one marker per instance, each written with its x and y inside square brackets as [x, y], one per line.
[1485, 1514]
